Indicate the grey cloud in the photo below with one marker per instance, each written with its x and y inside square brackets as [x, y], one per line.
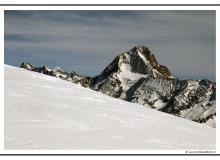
[182, 40]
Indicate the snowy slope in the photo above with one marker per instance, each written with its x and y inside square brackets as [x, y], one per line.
[43, 112]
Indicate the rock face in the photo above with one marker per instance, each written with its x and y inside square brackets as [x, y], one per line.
[194, 100]
[126, 69]
[137, 77]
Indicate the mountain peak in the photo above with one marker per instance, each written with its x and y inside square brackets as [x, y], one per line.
[128, 68]
[139, 60]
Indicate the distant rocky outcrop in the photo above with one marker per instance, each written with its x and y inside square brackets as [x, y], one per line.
[73, 77]
[137, 77]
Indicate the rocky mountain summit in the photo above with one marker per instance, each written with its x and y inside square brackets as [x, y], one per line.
[137, 77]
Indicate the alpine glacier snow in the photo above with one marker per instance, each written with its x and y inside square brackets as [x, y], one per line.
[44, 112]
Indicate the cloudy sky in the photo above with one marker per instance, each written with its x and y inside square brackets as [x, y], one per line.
[87, 41]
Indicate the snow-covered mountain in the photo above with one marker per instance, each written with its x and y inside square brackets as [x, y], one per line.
[137, 77]
[126, 69]
[44, 112]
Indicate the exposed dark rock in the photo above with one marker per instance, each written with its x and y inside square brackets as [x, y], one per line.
[73, 77]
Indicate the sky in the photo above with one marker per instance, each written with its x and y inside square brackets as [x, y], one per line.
[87, 41]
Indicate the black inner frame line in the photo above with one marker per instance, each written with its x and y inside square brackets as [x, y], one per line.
[109, 4]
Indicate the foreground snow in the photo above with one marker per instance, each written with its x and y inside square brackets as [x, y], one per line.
[43, 112]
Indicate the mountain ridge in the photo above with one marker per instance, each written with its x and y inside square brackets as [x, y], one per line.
[136, 76]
